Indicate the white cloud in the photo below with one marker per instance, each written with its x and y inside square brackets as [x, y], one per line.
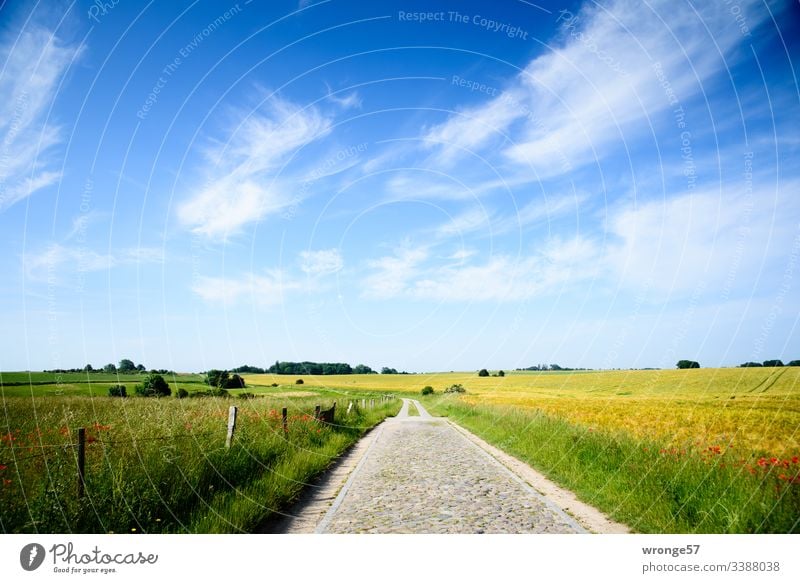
[243, 186]
[33, 63]
[322, 262]
[469, 221]
[263, 290]
[54, 261]
[392, 273]
[599, 85]
[349, 101]
[50, 262]
[706, 239]
[408, 274]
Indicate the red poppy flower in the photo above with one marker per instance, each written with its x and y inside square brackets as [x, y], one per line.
[3, 467]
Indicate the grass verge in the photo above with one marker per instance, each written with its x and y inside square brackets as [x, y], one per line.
[651, 488]
[161, 465]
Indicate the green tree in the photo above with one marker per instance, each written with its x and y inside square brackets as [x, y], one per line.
[126, 365]
[773, 363]
[217, 378]
[153, 385]
[501, 374]
[117, 391]
[483, 373]
[359, 369]
[235, 382]
[110, 368]
[387, 370]
[750, 364]
[794, 363]
[688, 364]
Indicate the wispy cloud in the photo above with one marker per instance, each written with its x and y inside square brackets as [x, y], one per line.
[350, 100]
[617, 66]
[265, 289]
[411, 273]
[33, 62]
[54, 261]
[243, 185]
[322, 262]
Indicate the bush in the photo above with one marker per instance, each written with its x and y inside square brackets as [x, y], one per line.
[153, 385]
[688, 364]
[182, 393]
[457, 388]
[483, 373]
[246, 396]
[299, 382]
[274, 384]
[117, 391]
[427, 390]
[216, 392]
[501, 374]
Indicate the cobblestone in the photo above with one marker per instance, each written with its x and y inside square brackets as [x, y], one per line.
[422, 476]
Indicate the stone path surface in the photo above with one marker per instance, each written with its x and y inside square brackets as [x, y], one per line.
[420, 475]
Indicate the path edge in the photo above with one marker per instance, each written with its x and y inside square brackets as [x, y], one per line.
[589, 517]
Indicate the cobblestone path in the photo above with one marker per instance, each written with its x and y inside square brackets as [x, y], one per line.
[420, 475]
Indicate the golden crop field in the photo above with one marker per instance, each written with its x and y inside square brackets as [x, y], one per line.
[753, 410]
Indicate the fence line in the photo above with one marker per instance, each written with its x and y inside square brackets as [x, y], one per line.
[322, 416]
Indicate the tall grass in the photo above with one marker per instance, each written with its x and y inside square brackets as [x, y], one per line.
[651, 487]
[162, 465]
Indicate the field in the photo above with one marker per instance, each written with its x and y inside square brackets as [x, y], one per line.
[754, 410]
[161, 465]
[701, 450]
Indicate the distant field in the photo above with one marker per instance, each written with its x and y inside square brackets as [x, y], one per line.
[753, 409]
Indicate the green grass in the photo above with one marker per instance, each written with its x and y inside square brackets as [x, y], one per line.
[412, 410]
[160, 465]
[641, 483]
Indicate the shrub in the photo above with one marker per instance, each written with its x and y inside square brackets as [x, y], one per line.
[483, 373]
[246, 396]
[501, 374]
[213, 392]
[688, 364]
[299, 382]
[182, 393]
[153, 385]
[117, 391]
[457, 388]
[427, 390]
[274, 384]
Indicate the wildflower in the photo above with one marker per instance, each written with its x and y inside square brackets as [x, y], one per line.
[3, 467]
[6, 482]
[762, 462]
[795, 460]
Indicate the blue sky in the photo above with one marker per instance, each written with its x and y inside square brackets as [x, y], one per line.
[422, 185]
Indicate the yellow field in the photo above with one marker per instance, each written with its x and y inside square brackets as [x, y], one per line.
[753, 410]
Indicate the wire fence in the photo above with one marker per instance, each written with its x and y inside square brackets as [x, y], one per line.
[79, 446]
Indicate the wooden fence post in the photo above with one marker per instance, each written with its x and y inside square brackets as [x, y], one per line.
[81, 461]
[363, 403]
[231, 425]
[350, 407]
[285, 416]
[316, 412]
